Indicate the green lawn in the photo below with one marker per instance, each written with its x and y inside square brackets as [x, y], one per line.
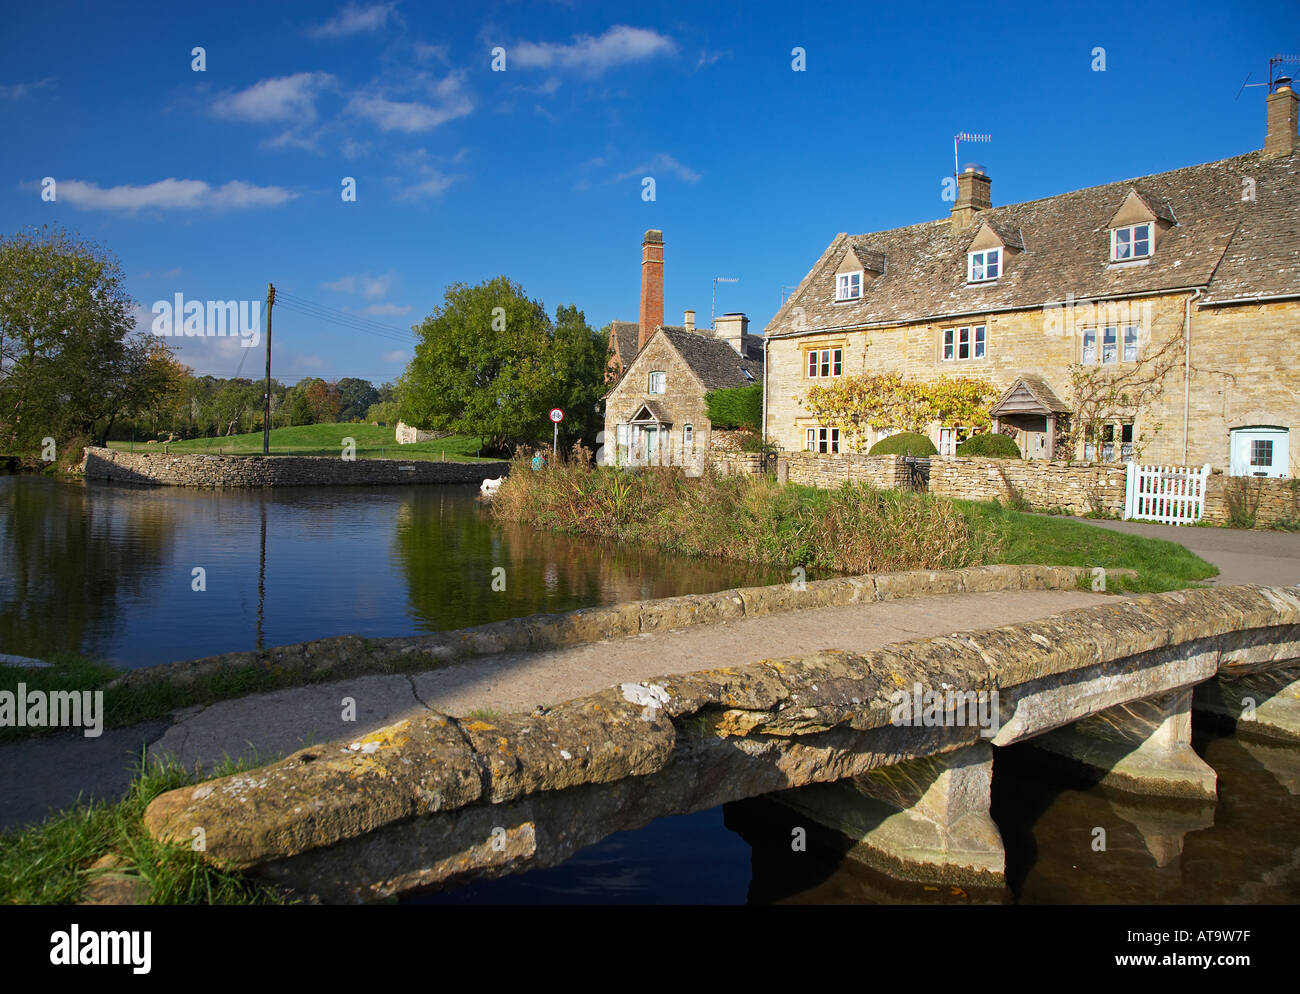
[1059, 541]
[372, 442]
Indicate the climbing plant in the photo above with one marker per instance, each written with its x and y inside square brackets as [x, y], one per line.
[888, 400]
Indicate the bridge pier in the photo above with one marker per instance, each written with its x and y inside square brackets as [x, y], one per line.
[924, 819]
[1144, 747]
[1265, 704]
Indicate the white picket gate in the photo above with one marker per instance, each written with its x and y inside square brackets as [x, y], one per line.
[1172, 495]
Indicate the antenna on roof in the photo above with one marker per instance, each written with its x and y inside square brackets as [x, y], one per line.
[1275, 80]
[713, 308]
[963, 136]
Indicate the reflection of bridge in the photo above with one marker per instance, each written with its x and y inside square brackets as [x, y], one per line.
[434, 801]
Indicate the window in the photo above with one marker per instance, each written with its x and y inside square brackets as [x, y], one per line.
[1115, 438]
[825, 362]
[748, 375]
[1126, 441]
[1130, 343]
[1261, 452]
[1110, 344]
[822, 440]
[983, 266]
[1132, 242]
[658, 381]
[688, 436]
[848, 286]
[963, 343]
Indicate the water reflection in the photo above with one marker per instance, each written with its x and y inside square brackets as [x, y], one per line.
[106, 570]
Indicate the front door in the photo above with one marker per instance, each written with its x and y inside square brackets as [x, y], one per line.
[650, 437]
[1262, 451]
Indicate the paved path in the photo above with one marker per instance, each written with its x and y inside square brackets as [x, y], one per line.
[1268, 557]
[38, 774]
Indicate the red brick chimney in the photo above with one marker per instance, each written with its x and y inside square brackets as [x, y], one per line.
[652, 286]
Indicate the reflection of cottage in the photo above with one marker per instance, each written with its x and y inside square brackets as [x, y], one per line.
[655, 414]
[1069, 293]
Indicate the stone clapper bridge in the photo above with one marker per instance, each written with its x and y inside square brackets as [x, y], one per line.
[434, 801]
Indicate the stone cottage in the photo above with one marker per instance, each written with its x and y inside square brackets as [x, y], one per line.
[1181, 289]
[655, 412]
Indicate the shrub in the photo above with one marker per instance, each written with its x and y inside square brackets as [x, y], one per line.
[991, 444]
[738, 407]
[905, 443]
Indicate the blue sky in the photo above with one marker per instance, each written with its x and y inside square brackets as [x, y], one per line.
[211, 183]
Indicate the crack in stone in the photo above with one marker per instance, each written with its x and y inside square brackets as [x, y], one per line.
[416, 694]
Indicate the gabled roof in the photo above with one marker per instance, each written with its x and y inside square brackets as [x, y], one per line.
[1029, 392]
[650, 411]
[622, 340]
[1240, 249]
[713, 360]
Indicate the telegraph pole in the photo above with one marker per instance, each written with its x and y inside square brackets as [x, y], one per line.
[266, 410]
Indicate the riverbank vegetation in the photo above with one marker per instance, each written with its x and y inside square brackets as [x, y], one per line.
[90, 844]
[857, 528]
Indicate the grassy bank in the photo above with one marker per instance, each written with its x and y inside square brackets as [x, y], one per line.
[854, 529]
[372, 442]
[54, 862]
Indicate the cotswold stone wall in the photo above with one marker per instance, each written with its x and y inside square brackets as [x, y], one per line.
[817, 470]
[190, 470]
[1077, 488]
[1271, 500]
[737, 463]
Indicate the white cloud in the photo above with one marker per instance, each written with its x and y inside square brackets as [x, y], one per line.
[397, 355]
[618, 45]
[18, 91]
[370, 287]
[353, 149]
[424, 52]
[182, 194]
[387, 310]
[432, 184]
[450, 102]
[354, 19]
[663, 163]
[283, 98]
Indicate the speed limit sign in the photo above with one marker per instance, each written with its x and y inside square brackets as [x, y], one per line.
[557, 415]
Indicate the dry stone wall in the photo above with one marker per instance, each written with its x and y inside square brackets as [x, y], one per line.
[190, 470]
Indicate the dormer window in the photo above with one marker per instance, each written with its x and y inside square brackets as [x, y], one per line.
[1131, 242]
[848, 286]
[983, 266]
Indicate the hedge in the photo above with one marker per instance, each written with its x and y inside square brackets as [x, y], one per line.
[905, 443]
[737, 407]
[995, 445]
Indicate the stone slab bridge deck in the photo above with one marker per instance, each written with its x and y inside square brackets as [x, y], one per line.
[434, 800]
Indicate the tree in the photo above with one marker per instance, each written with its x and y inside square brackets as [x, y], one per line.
[490, 363]
[355, 398]
[71, 362]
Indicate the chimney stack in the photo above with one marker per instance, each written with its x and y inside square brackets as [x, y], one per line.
[732, 329]
[1281, 138]
[652, 286]
[689, 321]
[972, 197]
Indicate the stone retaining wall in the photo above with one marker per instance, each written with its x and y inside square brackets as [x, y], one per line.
[436, 800]
[1273, 500]
[830, 471]
[193, 470]
[1077, 488]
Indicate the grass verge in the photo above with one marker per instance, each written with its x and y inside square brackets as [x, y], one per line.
[53, 862]
[856, 528]
[372, 442]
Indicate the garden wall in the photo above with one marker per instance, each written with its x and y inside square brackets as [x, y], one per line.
[194, 470]
[1079, 488]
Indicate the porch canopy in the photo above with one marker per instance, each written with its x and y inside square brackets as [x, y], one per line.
[1030, 405]
[649, 413]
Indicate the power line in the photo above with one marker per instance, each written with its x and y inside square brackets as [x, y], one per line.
[343, 319]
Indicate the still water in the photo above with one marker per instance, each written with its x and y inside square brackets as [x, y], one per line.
[108, 571]
[1244, 849]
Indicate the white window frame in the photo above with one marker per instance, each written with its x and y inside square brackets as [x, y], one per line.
[662, 381]
[988, 259]
[973, 338]
[831, 360]
[1124, 336]
[848, 286]
[688, 436]
[1111, 331]
[822, 440]
[1131, 231]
